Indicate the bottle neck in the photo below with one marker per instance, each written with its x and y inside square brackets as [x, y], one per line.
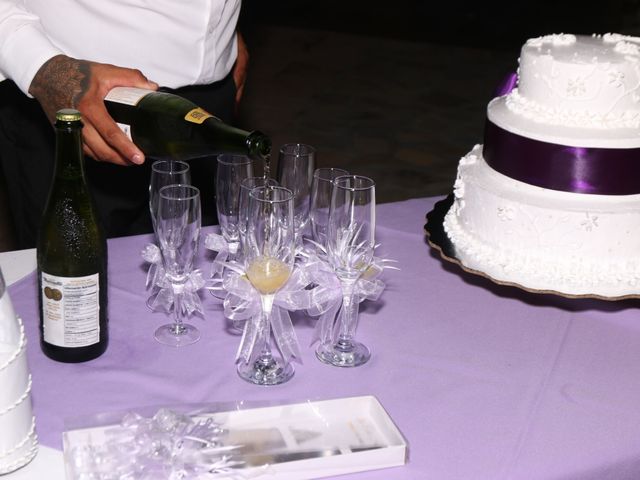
[69, 158]
[258, 145]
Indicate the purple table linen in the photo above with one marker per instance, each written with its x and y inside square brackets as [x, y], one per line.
[485, 382]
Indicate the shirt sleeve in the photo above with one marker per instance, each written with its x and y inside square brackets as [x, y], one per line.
[24, 45]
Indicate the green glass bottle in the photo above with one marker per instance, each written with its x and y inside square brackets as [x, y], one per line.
[166, 125]
[72, 256]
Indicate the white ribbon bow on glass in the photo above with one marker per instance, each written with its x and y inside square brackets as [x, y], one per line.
[242, 302]
[328, 295]
[224, 252]
[156, 277]
[151, 254]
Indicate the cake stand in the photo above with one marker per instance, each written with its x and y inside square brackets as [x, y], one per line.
[438, 239]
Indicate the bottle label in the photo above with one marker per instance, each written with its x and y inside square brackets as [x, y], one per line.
[197, 115]
[71, 310]
[127, 95]
[126, 129]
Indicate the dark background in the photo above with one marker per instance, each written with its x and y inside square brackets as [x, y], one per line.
[490, 24]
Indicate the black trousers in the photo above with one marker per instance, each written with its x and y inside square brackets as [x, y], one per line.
[27, 147]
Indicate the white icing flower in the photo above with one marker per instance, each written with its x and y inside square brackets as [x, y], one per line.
[589, 223]
[615, 78]
[612, 37]
[561, 39]
[626, 48]
[506, 213]
[576, 87]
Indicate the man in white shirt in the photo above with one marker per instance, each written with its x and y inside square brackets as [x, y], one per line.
[70, 53]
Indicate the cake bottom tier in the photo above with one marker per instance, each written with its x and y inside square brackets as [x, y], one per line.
[540, 239]
[20, 454]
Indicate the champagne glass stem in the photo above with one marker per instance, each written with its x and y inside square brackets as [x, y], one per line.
[265, 328]
[345, 351]
[178, 327]
[348, 316]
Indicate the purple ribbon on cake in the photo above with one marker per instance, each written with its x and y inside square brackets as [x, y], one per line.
[600, 171]
[507, 84]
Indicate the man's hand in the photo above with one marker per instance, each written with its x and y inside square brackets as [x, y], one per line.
[64, 82]
[240, 68]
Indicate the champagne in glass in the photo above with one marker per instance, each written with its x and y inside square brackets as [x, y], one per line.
[269, 256]
[268, 274]
[266, 164]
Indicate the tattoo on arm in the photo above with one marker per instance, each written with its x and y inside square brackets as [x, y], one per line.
[60, 83]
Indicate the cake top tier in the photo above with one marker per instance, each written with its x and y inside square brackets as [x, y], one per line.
[581, 79]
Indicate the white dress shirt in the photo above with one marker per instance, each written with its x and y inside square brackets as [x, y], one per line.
[173, 42]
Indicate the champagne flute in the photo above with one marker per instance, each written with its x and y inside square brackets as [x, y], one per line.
[232, 170]
[165, 172]
[178, 223]
[350, 246]
[296, 163]
[246, 186]
[320, 202]
[269, 256]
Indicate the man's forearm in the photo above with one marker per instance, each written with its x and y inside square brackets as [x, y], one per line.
[71, 78]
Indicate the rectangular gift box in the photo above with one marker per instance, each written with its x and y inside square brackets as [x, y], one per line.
[307, 440]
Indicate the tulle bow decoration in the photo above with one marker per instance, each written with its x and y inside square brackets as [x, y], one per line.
[242, 302]
[328, 295]
[156, 277]
[225, 251]
[169, 445]
[151, 254]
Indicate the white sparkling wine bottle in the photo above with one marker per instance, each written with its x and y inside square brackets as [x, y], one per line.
[166, 125]
[72, 256]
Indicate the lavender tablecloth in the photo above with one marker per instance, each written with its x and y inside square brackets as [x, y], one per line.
[485, 382]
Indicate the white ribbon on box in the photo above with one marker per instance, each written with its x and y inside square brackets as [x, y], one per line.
[157, 278]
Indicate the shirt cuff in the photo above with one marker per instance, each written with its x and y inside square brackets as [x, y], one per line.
[18, 66]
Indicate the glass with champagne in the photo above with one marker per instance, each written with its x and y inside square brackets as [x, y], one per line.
[269, 256]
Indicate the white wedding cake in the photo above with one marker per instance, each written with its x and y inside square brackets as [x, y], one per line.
[18, 440]
[551, 200]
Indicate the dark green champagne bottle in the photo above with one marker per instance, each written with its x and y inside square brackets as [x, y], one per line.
[166, 125]
[72, 256]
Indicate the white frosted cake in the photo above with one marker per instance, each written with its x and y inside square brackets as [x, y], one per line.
[551, 201]
[18, 440]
